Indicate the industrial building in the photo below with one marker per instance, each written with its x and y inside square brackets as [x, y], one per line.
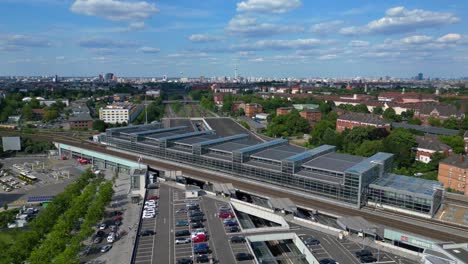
[320, 172]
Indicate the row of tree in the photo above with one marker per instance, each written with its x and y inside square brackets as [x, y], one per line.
[56, 225]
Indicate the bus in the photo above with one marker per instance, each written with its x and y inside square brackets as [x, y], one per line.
[27, 177]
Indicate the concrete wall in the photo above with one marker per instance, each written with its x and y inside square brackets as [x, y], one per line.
[261, 212]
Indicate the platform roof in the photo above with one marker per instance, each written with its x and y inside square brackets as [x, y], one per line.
[311, 153]
[279, 153]
[153, 131]
[405, 184]
[196, 140]
[220, 140]
[230, 146]
[261, 146]
[334, 162]
[368, 163]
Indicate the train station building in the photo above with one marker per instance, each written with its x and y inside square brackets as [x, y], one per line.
[320, 172]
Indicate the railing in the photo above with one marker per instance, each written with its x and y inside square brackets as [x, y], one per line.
[137, 237]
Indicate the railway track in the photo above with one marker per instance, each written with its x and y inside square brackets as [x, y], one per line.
[384, 218]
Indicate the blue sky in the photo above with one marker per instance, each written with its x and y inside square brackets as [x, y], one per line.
[269, 38]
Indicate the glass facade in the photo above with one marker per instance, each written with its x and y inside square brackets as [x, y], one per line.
[349, 186]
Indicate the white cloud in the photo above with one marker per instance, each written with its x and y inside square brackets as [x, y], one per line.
[399, 20]
[268, 6]
[115, 10]
[328, 57]
[187, 54]
[100, 43]
[450, 38]
[60, 58]
[358, 43]
[326, 27]
[257, 60]
[149, 50]
[250, 27]
[418, 39]
[301, 44]
[203, 38]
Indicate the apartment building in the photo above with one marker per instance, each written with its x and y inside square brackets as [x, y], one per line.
[452, 173]
[120, 113]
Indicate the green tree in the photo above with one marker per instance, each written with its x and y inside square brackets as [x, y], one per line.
[50, 115]
[331, 137]
[451, 123]
[288, 125]
[390, 115]
[434, 121]
[415, 121]
[377, 110]
[401, 143]
[407, 115]
[27, 112]
[369, 148]
[361, 108]
[455, 142]
[319, 130]
[99, 125]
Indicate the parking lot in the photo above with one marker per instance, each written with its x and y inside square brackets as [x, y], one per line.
[146, 244]
[343, 251]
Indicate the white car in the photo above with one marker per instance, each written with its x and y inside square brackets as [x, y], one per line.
[182, 241]
[196, 233]
[102, 226]
[146, 216]
[111, 237]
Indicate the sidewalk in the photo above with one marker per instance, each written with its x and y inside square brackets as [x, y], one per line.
[122, 249]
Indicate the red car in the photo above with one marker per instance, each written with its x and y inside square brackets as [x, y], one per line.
[224, 215]
[199, 238]
[118, 218]
[154, 197]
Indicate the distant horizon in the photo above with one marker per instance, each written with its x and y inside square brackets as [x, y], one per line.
[258, 37]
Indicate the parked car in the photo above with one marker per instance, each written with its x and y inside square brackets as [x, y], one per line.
[182, 240]
[147, 233]
[230, 224]
[327, 261]
[103, 226]
[237, 239]
[310, 241]
[113, 228]
[199, 238]
[243, 256]
[202, 259]
[100, 233]
[154, 197]
[111, 237]
[197, 219]
[115, 213]
[184, 261]
[224, 207]
[367, 259]
[362, 253]
[106, 248]
[225, 215]
[194, 214]
[182, 233]
[197, 225]
[97, 240]
[233, 229]
[182, 223]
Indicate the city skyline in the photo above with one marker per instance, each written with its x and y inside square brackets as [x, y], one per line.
[277, 38]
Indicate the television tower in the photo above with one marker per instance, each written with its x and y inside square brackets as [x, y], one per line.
[235, 72]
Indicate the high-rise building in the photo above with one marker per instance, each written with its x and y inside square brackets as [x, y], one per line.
[108, 76]
[420, 76]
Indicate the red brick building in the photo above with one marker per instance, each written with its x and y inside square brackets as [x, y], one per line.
[452, 173]
[283, 110]
[83, 121]
[252, 109]
[428, 146]
[312, 115]
[351, 120]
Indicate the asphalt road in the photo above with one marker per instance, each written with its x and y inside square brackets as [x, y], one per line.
[164, 246]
